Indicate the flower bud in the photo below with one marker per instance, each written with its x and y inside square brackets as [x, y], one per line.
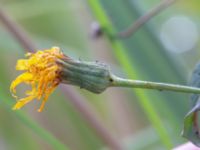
[92, 76]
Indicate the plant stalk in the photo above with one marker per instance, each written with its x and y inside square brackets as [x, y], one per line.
[120, 82]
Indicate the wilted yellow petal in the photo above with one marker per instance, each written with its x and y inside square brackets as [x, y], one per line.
[42, 73]
[25, 77]
[22, 64]
[22, 102]
[46, 95]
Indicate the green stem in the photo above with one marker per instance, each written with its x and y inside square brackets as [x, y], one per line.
[120, 82]
[119, 51]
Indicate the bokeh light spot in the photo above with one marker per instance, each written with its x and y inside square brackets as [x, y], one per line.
[179, 34]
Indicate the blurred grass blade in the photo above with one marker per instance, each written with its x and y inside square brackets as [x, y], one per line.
[41, 132]
[119, 51]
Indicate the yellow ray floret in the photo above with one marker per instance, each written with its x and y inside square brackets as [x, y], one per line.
[41, 72]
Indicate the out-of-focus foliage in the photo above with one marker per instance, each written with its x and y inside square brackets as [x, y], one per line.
[191, 125]
[150, 55]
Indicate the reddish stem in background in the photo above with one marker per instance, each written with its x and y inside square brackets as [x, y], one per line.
[145, 18]
[16, 30]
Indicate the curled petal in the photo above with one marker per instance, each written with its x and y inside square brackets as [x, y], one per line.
[25, 77]
[22, 102]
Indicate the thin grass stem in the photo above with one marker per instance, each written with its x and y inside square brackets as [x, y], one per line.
[145, 18]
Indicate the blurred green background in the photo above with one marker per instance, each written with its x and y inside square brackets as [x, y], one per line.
[165, 50]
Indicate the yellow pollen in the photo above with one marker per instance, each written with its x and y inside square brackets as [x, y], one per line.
[41, 72]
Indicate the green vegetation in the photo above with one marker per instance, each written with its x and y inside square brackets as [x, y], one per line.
[133, 118]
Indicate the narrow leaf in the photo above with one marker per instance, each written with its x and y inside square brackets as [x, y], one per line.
[191, 129]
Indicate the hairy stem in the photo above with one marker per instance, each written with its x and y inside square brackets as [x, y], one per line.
[120, 82]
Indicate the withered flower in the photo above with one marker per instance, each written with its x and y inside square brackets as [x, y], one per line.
[44, 70]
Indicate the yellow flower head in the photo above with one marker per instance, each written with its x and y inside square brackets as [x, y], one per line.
[42, 72]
